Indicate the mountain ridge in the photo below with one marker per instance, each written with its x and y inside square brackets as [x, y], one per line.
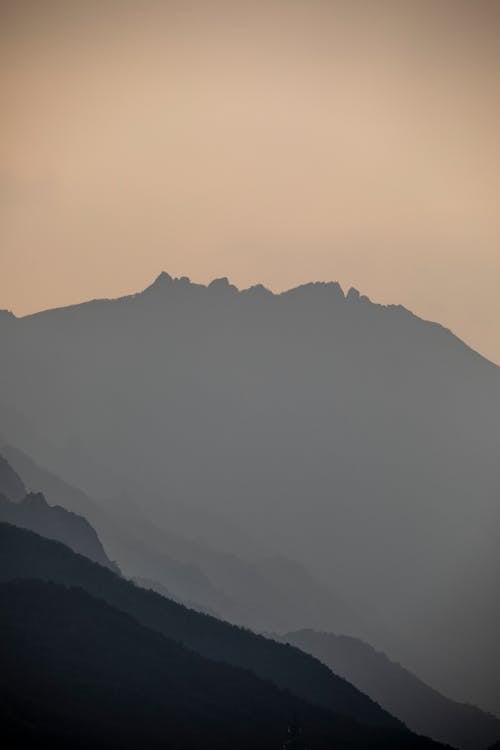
[30, 510]
[134, 687]
[25, 555]
[164, 282]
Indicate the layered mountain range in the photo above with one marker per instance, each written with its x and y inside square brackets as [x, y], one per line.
[30, 510]
[313, 436]
[418, 706]
[63, 652]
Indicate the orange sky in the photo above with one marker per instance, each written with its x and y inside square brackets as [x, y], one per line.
[275, 142]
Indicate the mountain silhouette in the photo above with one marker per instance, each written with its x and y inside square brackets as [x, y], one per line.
[33, 512]
[352, 438]
[422, 709]
[24, 554]
[77, 672]
[266, 593]
[165, 562]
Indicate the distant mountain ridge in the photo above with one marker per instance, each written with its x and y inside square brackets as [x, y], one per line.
[323, 293]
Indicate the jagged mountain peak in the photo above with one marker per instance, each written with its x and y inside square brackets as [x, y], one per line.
[161, 282]
[222, 285]
[165, 282]
[258, 291]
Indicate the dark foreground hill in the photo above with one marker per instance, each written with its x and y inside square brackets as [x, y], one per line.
[26, 555]
[421, 708]
[78, 673]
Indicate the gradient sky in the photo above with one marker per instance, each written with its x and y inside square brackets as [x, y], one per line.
[276, 142]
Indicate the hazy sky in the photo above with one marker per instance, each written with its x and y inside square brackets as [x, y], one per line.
[274, 142]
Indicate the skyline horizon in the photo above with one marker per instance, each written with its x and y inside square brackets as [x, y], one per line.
[242, 287]
[270, 143]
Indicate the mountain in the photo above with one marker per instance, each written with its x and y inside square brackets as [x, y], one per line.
[33, 512]
[143, 552]
[265, 593]
[24, 554]
[352, 438]
[38, 478]
[76, 671]
[123, 536]
[11, 484]
[422, 709]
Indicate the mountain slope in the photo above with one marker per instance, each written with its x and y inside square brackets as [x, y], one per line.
[11, 484]
[27, 555]
[266, 593]
[76, 672]
[421, 708]
[33, 512]
[354, 438]
[128, 537]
